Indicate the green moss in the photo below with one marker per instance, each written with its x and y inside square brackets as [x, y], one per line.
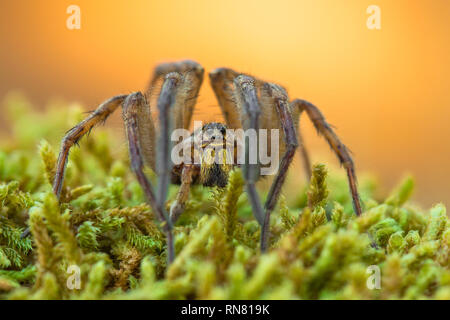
[319, 248]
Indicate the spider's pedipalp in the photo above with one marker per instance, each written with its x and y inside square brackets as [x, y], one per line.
[336, 145]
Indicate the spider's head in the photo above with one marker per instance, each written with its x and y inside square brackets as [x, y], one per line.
[216, 155]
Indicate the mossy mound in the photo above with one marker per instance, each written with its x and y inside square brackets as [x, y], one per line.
[104, 230]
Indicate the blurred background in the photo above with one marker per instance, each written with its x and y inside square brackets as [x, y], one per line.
[386, 91]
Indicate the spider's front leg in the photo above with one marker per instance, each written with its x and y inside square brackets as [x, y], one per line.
[140, 135]
[176, 101]
[130, 113]
[133, 106]
[76, 133]
[166, 101]
[248, 104]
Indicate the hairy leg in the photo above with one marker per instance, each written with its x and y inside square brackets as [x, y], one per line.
[76, 133]
[181, 82]
[303, 152]
[130, 114]
[137, 121]
[275, 97]
[222, 82]
[190, 83]
[335, 143]
[304, 155]
[166, 101]
[247, 101]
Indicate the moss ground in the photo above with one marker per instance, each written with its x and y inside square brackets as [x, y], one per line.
[104, 230]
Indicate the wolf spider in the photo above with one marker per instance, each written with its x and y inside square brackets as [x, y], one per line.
[246, 102]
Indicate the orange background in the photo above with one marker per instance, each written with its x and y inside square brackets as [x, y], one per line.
[386, 90]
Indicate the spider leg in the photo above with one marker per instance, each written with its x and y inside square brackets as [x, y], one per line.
[164, 68]
[221, 80]
[190, 83]
[179, 204]
[181, 82]
[166, 101]
[76, 133]
[336, 145]
[130, 114]
[139, 126]
[272, 96]
[302, 148]
[247, 101]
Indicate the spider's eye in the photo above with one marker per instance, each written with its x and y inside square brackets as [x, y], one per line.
[213, 138]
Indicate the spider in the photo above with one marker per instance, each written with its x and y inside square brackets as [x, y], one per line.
[246, 103]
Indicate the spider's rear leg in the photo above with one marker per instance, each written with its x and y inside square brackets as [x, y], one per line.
[163, 69]
[190, 82]
[336, 145]
[222, 82]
